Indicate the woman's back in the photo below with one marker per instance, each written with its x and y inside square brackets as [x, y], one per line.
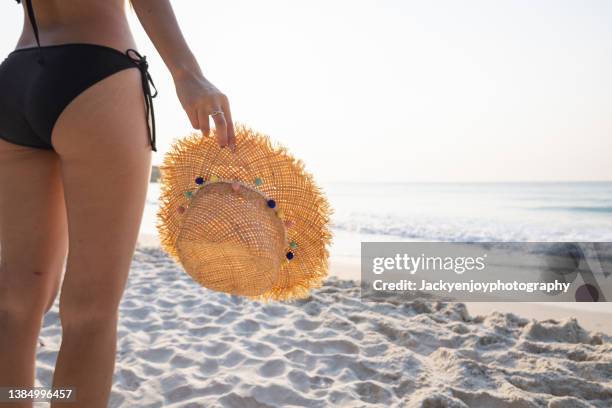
[88, 21]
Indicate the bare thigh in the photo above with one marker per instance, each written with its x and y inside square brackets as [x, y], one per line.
[103, 145]
[33, 230]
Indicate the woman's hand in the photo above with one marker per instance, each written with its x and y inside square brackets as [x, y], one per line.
[202, 99]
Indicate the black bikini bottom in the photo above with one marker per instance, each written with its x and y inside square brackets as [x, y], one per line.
[37, 83]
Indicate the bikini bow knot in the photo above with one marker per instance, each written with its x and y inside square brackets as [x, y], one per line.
[147, 82]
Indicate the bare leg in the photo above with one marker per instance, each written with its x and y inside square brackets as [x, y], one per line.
[33, 245]
[104, 149]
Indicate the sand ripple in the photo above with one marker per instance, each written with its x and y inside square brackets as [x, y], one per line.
[183, 346]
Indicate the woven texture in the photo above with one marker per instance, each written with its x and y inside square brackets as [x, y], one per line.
[233, 219]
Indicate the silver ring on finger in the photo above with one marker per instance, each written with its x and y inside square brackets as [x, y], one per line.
[217, 112]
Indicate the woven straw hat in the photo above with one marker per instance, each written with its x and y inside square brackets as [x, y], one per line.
[250, 222]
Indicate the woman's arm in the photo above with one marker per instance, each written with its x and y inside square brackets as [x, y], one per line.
[198, 96]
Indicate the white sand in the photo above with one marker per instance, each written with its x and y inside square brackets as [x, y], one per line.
[591, 316]
[183, 346]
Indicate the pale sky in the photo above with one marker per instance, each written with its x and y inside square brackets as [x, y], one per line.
[398, 90]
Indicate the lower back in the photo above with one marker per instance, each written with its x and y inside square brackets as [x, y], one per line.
[68, 21]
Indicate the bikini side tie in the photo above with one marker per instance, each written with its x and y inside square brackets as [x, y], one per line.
[143, 65]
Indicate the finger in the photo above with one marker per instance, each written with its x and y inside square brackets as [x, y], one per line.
[193, 118]
[220, 127]
[231, 135]
[204, 124]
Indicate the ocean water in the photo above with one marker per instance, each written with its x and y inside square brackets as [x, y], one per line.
[457, 212]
